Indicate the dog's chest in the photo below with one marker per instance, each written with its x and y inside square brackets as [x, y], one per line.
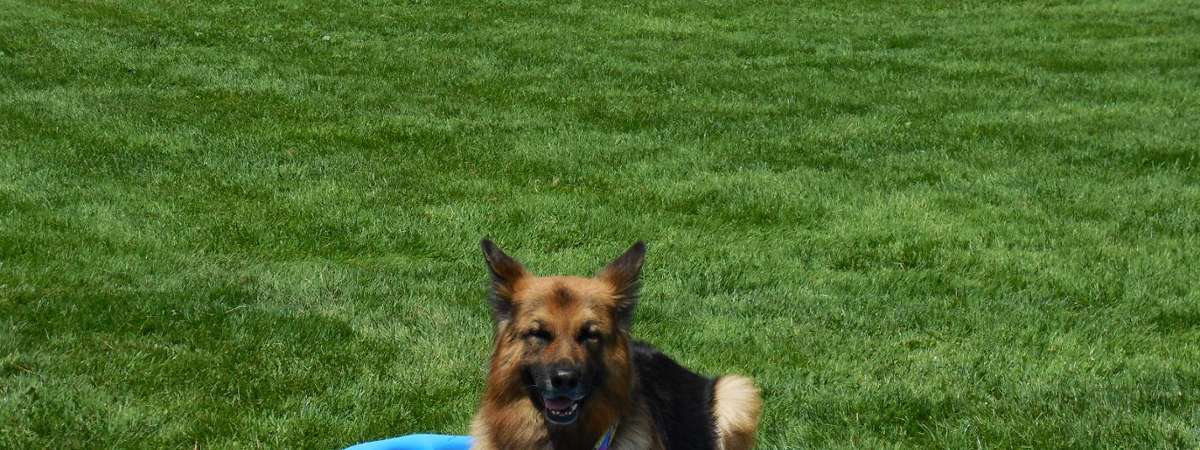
[636, 433]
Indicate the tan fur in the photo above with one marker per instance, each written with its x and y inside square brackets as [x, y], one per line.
[737, 409]
[509, 428]
[637, 432]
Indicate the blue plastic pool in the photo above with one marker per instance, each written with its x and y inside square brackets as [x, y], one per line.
[418, 442]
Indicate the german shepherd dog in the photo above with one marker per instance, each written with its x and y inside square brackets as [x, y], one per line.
[565, 373]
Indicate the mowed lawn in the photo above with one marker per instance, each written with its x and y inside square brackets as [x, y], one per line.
[916, 225]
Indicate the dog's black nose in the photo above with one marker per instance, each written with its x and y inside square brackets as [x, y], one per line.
[564, 379]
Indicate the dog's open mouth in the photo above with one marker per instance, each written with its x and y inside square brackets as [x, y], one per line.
[561, 410]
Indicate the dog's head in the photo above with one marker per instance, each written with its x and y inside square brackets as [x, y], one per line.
[565, 339]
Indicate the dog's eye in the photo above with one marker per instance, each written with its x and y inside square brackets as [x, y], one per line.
[587, 335]
[539, 335]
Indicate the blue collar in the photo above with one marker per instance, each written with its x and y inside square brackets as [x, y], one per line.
[606, 440]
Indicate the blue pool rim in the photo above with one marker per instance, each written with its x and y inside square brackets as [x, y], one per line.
[418, 442]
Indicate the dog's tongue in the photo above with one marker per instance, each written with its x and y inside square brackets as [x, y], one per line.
[557, 403]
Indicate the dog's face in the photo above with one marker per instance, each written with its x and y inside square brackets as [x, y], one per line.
[563, 337]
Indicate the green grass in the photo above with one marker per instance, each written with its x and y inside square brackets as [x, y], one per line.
[916, 225]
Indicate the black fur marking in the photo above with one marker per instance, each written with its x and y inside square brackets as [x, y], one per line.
[681, 401]
[562, 295]
[502, 308]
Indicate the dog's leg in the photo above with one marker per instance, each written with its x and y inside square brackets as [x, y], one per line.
[737, 410]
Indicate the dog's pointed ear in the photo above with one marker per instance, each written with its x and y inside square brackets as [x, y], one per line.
[505, 272]
[624, 274]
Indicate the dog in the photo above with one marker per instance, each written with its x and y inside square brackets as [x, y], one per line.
[566, 375]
